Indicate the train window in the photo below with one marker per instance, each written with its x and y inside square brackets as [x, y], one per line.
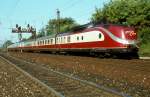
[57, 40]
[68, 39]
[51, 41]
[43, 42]
[77, 37]
[100, 35]
[82, 37]
[40, 42]
[61, 39]
[47, 41]
[64, 39]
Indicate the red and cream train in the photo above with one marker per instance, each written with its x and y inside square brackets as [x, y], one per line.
[108, 38]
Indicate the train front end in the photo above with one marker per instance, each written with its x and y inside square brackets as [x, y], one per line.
[126, 37]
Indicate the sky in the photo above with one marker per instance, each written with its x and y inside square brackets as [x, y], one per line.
[38, 12]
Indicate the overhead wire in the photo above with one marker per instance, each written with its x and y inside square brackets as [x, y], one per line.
[72, 4]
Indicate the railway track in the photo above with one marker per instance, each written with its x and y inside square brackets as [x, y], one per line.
[14, 82]
[61, 84]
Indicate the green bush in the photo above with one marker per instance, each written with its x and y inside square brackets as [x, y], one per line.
[144, 36]
[144, 50]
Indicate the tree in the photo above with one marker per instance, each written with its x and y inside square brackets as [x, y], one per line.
[41, 33]
[65, 25]
[7, 43]
[131, 12]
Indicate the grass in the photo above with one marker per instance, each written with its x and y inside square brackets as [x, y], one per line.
[144, 50]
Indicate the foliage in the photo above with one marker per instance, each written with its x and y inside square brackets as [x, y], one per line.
[145, 50]
[65, 25]
[131, 12]
[144, 35]
[41, 33]
[7, 43]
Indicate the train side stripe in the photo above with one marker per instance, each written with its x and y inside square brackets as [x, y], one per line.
[117, 39]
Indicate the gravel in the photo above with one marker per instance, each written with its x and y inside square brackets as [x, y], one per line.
[14, 83]
[128, 76]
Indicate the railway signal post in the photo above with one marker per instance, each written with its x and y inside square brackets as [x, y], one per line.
[21, 30]
[57, 25]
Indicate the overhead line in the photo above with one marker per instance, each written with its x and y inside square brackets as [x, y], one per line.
[71, 5]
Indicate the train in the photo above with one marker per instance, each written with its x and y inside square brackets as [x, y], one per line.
[93, 39]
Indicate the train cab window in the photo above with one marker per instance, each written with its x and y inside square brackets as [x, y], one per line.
[82, 37]
[100, 35]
